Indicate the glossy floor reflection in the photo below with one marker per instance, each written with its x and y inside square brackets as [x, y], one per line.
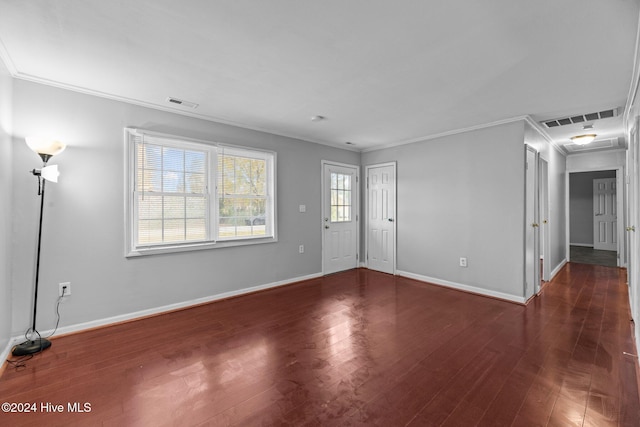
[354, 348]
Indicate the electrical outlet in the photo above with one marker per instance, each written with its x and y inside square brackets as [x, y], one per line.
[301, 249]
[64, 289]
[463, 262]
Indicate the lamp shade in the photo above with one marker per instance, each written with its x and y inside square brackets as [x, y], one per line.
[583, 139]
[50, 173]
[45, 146]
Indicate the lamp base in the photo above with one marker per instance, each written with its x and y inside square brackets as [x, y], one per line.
[31, 347]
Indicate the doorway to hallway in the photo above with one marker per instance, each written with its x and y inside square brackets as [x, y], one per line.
[586, 230]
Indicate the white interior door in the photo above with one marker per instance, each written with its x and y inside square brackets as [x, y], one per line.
[340, 217]
[545, 231]
[532, 236]
[605, 222]
[381, 217]
[633, 212]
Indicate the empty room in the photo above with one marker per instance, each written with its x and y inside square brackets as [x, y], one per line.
[413, 213]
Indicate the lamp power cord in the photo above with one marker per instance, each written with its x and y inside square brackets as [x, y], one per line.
[20, 363]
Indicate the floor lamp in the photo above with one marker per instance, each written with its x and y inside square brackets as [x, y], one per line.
[46, 149]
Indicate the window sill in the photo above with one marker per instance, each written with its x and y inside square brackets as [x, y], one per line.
[186, 247]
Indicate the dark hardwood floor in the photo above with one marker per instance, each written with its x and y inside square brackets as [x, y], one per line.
[354, 348]
[586, 255]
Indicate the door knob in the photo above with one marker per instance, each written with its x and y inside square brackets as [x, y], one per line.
[390, 219]
[326, 226]
[535, 224]
[631, 228]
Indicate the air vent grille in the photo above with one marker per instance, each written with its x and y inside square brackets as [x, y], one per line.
[182, 102]
[581, 118]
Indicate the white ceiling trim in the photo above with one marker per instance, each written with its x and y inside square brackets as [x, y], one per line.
[635, 81]
[28, 77]
[538, 128]
[35, 79]
[6, 58]
[455, 132]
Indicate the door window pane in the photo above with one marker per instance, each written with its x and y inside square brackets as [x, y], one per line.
[340, 197]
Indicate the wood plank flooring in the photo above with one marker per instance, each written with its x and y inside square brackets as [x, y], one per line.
[586, 255]
[354, 348]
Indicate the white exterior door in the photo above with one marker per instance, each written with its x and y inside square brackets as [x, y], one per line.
[381, 217]
[340, 217]
[605, 223]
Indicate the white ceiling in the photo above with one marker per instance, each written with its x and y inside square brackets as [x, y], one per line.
[381, 72]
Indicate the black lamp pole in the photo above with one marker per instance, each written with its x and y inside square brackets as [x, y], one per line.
[36, 343]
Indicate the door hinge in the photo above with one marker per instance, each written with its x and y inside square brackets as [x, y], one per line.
[367, 183]
[357, 257]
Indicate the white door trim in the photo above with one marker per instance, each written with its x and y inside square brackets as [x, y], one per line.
[545, 227]
[366, 213]
[356, 208]
[621, 208]
[531, 223]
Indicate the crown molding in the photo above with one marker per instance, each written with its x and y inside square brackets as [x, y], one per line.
[447, 133]
[133, 101]
[635, 82]
[4, 56]
[536, 126]
[525, 118]
[6, 59]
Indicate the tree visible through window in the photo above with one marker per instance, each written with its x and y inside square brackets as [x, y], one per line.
[186, 192]
[242, 195]
[171, 194]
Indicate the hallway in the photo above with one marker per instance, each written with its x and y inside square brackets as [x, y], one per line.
[586, 255]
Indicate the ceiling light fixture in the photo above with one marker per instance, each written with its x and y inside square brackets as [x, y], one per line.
[583, 139]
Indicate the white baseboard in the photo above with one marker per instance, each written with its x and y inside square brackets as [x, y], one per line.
[159, 310]
[462, 287]
[558, 268]
[5, 352]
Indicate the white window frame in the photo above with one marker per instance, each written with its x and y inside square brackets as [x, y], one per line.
[212, 149]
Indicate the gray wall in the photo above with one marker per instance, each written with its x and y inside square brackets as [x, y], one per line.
[6, 183]
[462, 196]
[83, 238]
[558, 208]
[581, 205]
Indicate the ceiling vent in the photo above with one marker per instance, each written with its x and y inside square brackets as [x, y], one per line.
[581, 118]
[182, 102]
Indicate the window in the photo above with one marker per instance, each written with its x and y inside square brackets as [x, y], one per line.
[185, 194]
[242, 194]
[340, 197]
